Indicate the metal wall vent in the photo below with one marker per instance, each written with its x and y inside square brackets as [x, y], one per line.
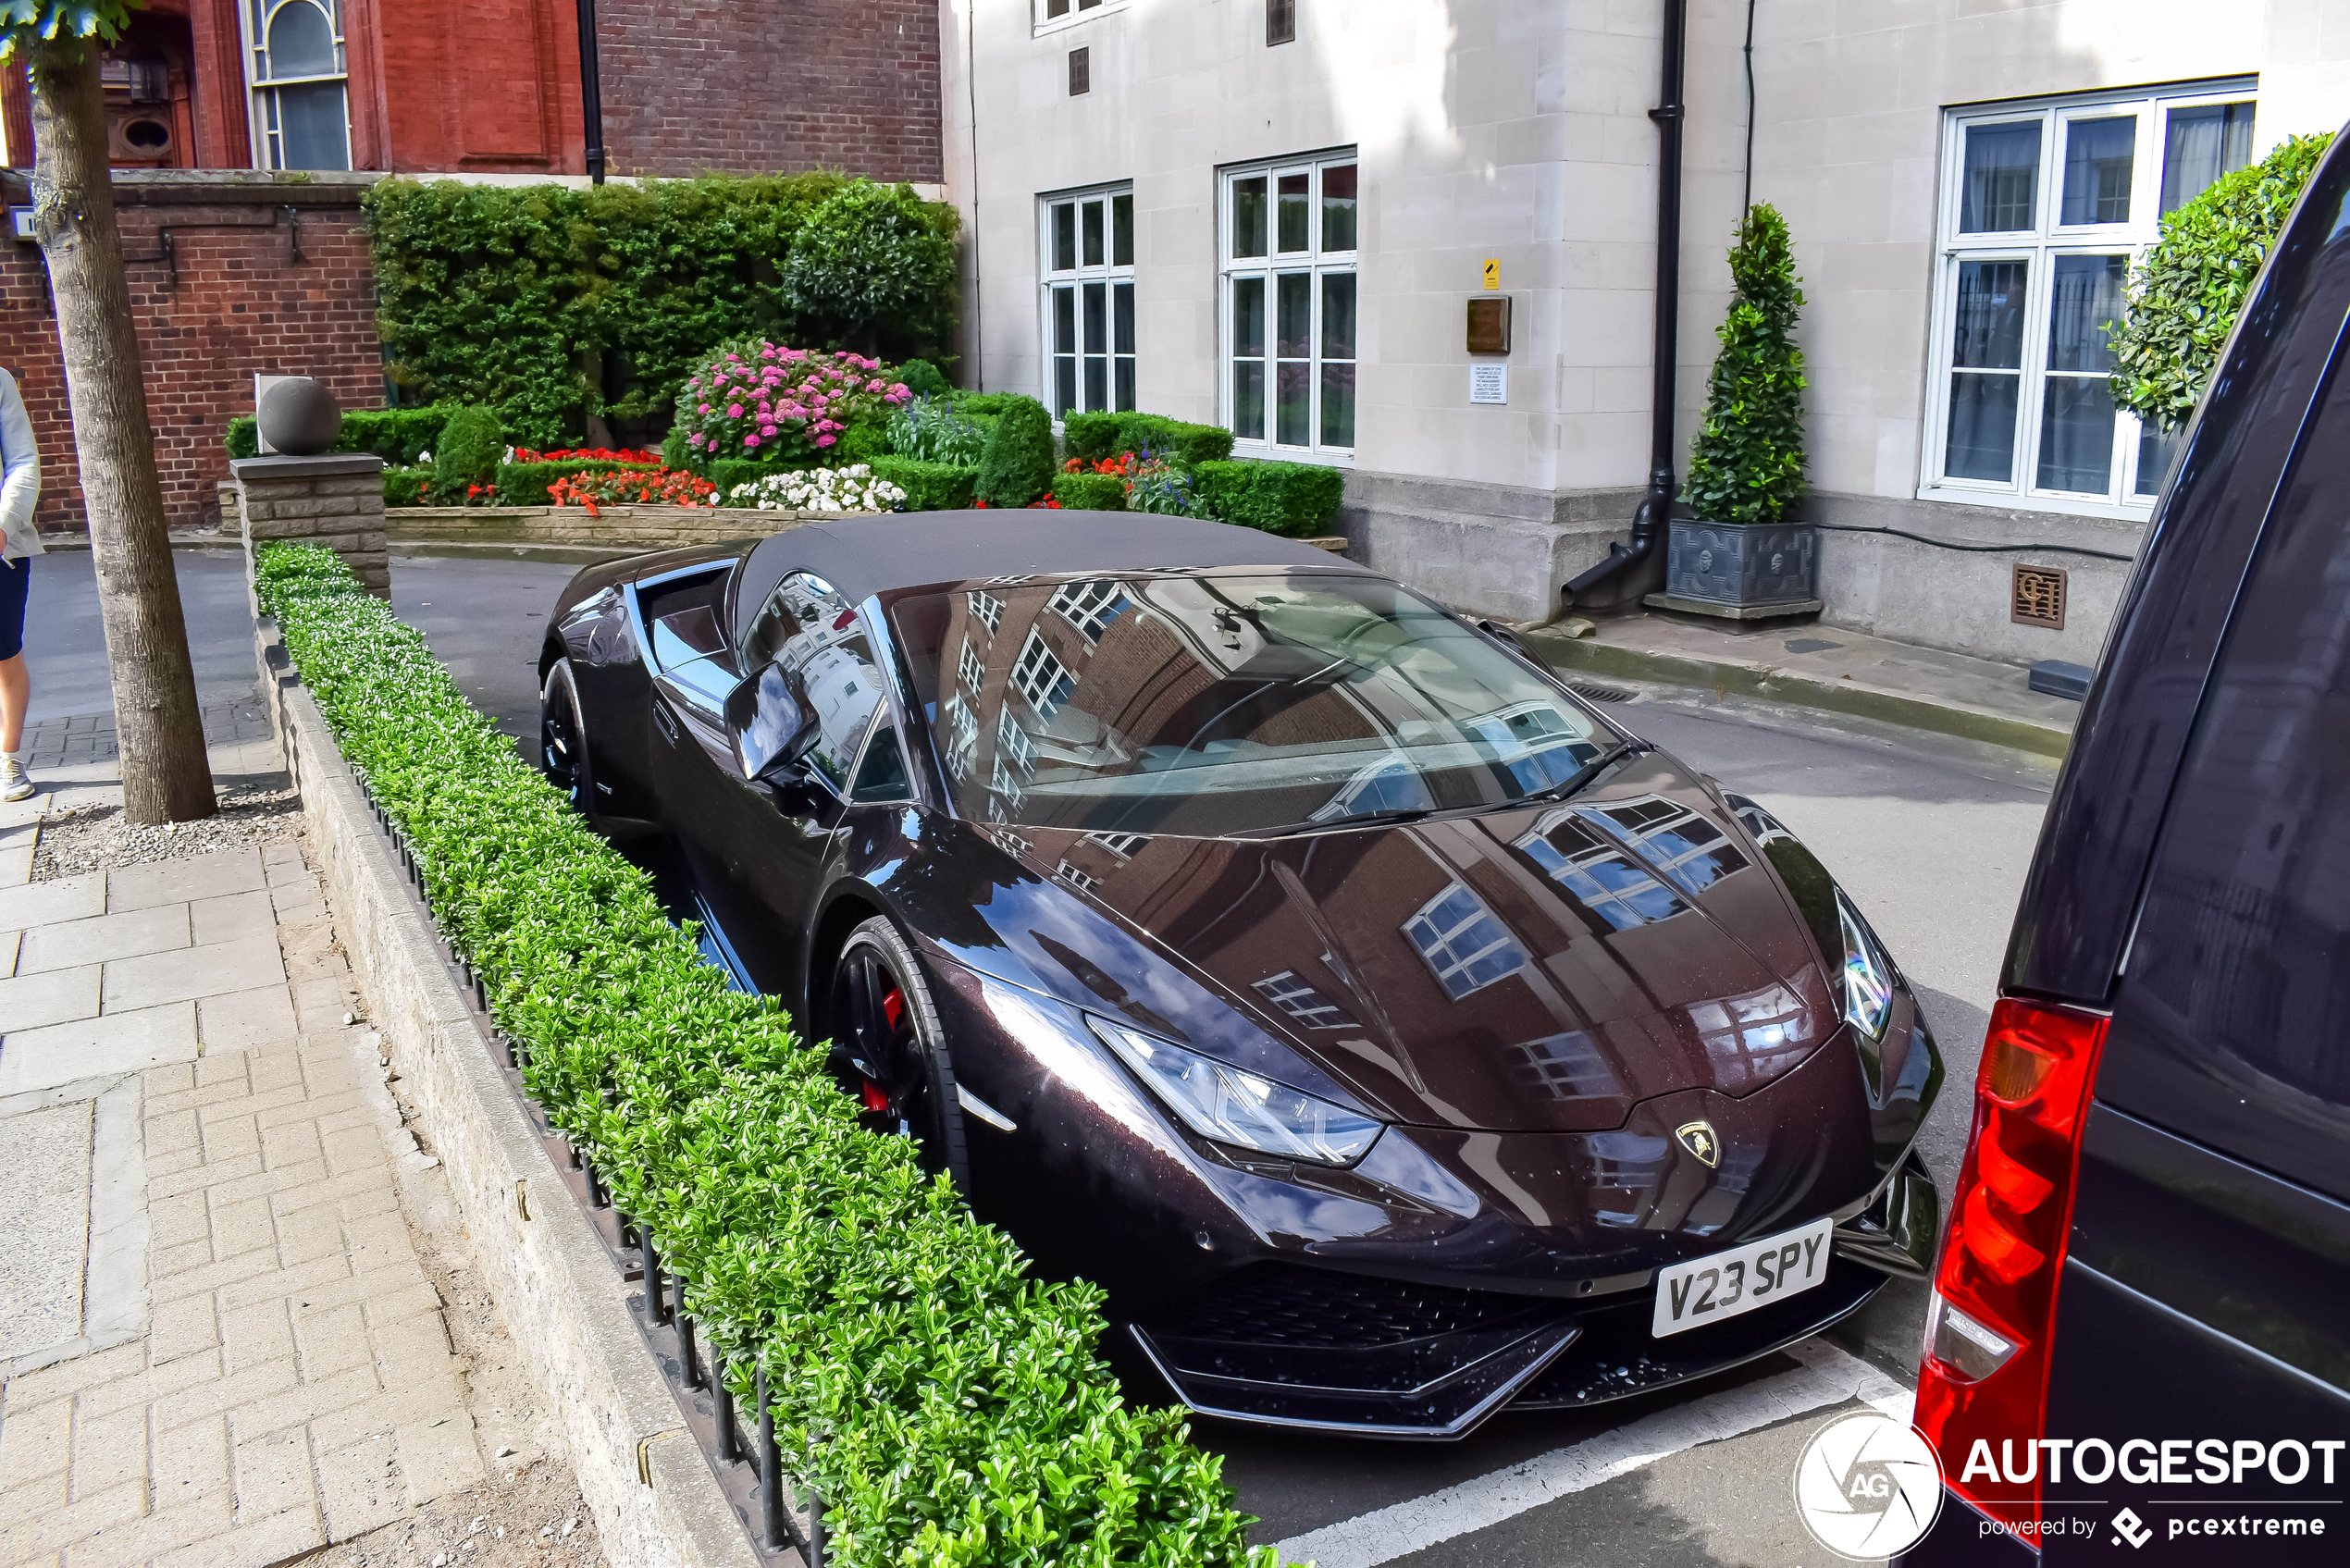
[1080, 71]
[2038, 597]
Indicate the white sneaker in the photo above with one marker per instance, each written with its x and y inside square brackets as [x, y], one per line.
[15, 783]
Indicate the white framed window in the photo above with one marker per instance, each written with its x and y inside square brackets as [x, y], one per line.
[2045, 206]
[1054, 15]
[963, 727]
[1088, 266]
[1091, 605]
[1006, 792]
[1302, 1001]
[296, 72]
[1122, 845]
[1012, 744]
[970, 667]
[1084, 882]
[1287, 232]
[1041, 677]
[1468, 947]
[988, 609]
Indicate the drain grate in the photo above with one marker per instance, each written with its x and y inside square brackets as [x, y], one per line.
[1594, 691]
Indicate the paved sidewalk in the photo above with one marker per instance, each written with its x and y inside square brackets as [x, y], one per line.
[217, 1342]
[1824, 667]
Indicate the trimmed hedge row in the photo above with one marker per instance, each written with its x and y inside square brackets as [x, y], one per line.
[1291, 498]
[399, 436]
[952, 1411]
[1097, 436]
[929, 487]
[1089, 492]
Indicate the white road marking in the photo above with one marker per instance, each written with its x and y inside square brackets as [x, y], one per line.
[1828, 1376]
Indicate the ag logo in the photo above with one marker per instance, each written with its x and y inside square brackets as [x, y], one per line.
[1699, 1138]
[1867, 1485]
[2128, 1526]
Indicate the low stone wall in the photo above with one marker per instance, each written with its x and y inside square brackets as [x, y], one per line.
[656, 1503]
[612, 527]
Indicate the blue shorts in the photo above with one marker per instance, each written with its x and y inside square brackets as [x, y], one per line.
[15, 576]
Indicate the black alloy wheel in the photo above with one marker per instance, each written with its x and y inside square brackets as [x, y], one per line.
[888, 1051]
[563, 740]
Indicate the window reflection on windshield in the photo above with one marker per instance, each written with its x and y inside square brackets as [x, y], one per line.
[1210, 704]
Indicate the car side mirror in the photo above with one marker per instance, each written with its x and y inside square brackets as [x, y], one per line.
[769, 721]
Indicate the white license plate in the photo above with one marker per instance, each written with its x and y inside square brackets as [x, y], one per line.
[1691, 1295]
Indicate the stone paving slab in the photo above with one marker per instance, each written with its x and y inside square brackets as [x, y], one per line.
[46, 1215]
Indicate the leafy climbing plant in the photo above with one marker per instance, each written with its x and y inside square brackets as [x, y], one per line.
[1747, 464]
[2185, 292]
[21, 21]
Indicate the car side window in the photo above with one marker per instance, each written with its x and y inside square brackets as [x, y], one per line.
[801, 603]
[881, 778]
[2230, 1025]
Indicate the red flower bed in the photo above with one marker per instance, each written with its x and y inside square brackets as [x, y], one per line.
[665, 487]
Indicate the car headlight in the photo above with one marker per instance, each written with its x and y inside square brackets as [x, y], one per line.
[1225, 1104]
[1868, 974]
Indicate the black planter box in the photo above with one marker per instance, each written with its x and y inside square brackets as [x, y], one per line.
[1748, 571]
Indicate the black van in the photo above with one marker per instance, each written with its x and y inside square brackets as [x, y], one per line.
[2139, 1342]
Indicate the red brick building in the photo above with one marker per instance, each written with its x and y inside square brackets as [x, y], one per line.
[266, 270]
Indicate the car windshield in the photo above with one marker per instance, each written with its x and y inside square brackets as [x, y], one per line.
[1213, 705]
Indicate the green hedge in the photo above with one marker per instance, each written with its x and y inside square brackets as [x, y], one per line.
[1089, 492]
[950, 1409]
[1018, 465]
[1096, 436]
[1295, 498]
[407, 486]
[929, 487]
[551, 302]
[399, 436]
[525, 484]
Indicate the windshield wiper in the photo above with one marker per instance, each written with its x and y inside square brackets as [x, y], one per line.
[1580, 779]
[1385, 815]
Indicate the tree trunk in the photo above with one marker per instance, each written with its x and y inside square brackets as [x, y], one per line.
[166, 776]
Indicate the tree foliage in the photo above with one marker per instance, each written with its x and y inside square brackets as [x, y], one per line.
[1747, 464]
[874, 262]
[2185, 293]
[23, 21]
[516, 296]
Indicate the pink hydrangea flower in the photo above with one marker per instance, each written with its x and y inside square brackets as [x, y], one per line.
[768, 431]
[826, 440]
[750, 440]
[734, 411]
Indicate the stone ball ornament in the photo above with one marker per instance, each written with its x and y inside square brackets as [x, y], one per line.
[299, 417]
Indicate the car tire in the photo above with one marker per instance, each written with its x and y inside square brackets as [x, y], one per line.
[892, 1058]
[563, 740]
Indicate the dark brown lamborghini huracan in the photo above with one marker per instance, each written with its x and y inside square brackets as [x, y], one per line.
[1395, 1037]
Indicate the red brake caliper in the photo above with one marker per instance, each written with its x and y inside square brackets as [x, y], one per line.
[894, 1011]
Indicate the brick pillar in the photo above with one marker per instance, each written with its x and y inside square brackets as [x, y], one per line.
[336, 501]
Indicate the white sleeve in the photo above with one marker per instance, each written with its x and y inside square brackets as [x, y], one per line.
[21, 482]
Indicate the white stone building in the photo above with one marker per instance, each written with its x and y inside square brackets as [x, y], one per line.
[1175, 206]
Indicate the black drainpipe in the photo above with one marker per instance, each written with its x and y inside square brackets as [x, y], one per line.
[591, 92]
[1655, 510]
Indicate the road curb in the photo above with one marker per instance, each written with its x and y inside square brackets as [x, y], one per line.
[657, 1504]
[1590, 655]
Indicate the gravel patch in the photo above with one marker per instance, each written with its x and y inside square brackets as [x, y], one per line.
[95, 837]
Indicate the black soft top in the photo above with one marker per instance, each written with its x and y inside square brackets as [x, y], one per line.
[873, 555]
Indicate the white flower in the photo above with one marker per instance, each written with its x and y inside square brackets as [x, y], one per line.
[836, 490]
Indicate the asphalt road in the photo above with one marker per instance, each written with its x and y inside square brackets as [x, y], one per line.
[1930, 837]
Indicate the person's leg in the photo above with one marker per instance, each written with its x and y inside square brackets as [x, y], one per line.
[16, 695]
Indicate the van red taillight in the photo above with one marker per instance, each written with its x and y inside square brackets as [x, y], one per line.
[1986, 1375]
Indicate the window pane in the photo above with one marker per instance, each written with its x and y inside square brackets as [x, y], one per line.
[1293, 399]
[1093, 234]
[2087, 299]
[1064, 386]
[1064, 321]
[2076, 433]
[1338, 208]
[2002, 179]
[1056, 8]
[1338, 315]
[2155, 448]
[1338, 405]
[1248, 317]
[1121, 230]
[2201, 145]
[1989, 330]
[1248, 216]
[1097, 383]
[1294, 333]
[2097, 158]
[1297, 228]
[1982, 427]
[315, 127]
[1064, 236]
[1248, 399]
[1123, 317]
[302, 42]
[1096, 318]
[1125, 386]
